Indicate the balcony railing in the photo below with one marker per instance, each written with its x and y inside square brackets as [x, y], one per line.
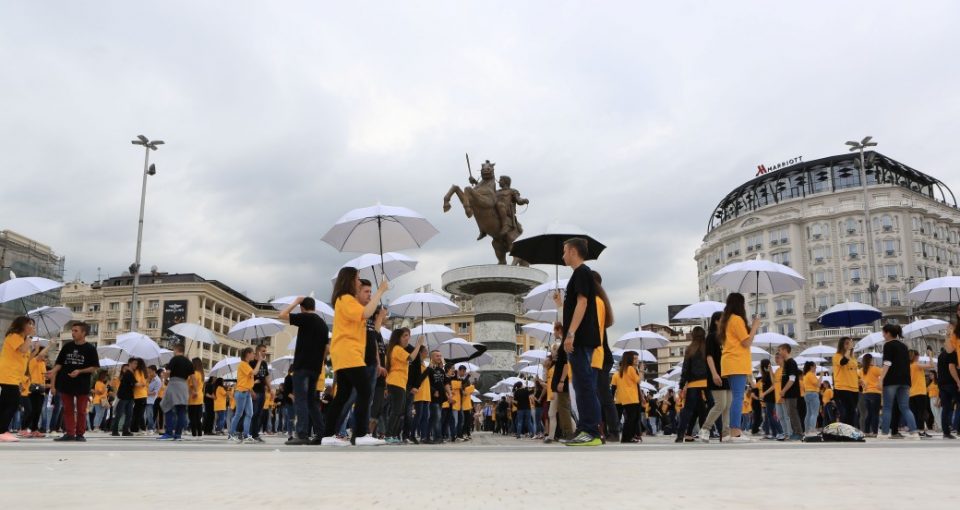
[857, 332]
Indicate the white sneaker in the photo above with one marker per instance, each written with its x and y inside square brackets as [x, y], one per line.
[739, 439]
[248, 440]
[369, 440]
[913, 435]
[333, 441]
[704, 436]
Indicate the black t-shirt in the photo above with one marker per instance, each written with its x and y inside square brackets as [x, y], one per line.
[943, 369]
[522, 398]
[438, 379]
[180, 367]
[375, 347]
[287, 389]
[260, 378]
[75, 357]
[559, 366]
[896, 354]
[715, 351]
[581, 284]
[125, 390]
[312, 338]
[414, 372]
[790, 368]
[767, 379]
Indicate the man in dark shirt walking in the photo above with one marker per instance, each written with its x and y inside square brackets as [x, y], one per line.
[895, 377]
[309, 355]
[790, 390]
[71, 375]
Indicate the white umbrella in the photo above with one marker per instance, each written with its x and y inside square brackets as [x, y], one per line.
[483, 359]
[194, 332]
[19, 288]
[277, 382]
[469, 366]
[282, 364]
[666, 383]
[491, 395]
[422, 304]
[107, 363]
[520, 365]
[876, 356]
[924, 327]
[773, 339]
[534, 370]
[255, 327]
[139, 346]
[456, 348]
[819, 350]
[50, 320]
[542, 315]
[534, 355]
[868, 341]
[647, 386]
[378, 229]
[701, 310]
[385, 333]
[641, 340]
[942, 289]
[542, 331]
[757, 353]
[395, 265]
[323, 309]
[803, 359]
[758, 276]
[644, 355]
[42, 342]
[541, 297]
[435, 333]
[225, 367]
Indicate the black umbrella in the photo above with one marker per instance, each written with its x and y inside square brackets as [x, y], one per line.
[547, 248]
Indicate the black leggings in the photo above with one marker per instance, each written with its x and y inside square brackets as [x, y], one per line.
[631, 422]
[920, 407]
[138, 422]
[9, 402]
[348, 380]
[36, 403]
[196, 424]
[847, 406]
[693, 411]
[396, 398]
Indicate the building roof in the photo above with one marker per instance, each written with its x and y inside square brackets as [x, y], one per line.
[822, 176]
[167, 278]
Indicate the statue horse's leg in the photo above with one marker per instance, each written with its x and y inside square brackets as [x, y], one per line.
[464, 199]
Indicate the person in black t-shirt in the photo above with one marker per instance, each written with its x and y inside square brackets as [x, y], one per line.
[771, 422]
[313, 338]
[790, 391]
[949, 381]
[124, 410]
[719, 397]
[895, 378]
[581, 330]
[71, 373]
[261, 384]
[439, 393]
[521, 395]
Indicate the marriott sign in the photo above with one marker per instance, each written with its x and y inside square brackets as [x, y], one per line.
[762, 169]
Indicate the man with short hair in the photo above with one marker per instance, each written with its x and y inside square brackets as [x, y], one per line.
[177, 396]
[790, 384]
[71, 375]
[308, 357]
[261, 384]
[581, 335]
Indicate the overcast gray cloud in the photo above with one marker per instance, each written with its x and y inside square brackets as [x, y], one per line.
[631, 120]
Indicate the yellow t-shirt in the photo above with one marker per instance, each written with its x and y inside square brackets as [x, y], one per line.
[140, 391]
[198, 382]
[455, 385]
[736, 358]
[933, 390]
[747, 404]
[871, 380]
[627, 391]
[99, 393]
[397, 376]
[777, 375]
[322, 380]
[550, 384]
[268, 400]
[423, 391]
[244, 377]
[597, 360]
[810, 382]
[13, 363]
[846, 377]
[349, 334]
[25, 385]
[918, 383]
[220, 399]
[163, 390]
[466, 403]
[615, 382]
[38, 371]
[827, 396]
[233, 401]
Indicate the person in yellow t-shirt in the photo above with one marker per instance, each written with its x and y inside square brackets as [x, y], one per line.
[846, 382]
[628, 394]
[13, 365]
[195, 400]
[138, 424]
[101, 403]
[242, 395]
[33, 399]
[398, 368]
[466, 403]
[735, 361]
[219, 406]
[919, 401]
[811, 397]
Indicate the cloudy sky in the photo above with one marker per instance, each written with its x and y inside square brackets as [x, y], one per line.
[629, 119]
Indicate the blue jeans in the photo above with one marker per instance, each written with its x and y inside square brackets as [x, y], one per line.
[423, 419]
[436, 434]
[585, 387]
[899, 394]
[244, 411]
[738, 387]
[175, 421]
[525, 422]
[305, 402]
[99, 413]
[872, 424]
[812, 399]
[288, 414]
[771, 423]
[221, 420]
[451, 429]
[125, 414]
[151, 425]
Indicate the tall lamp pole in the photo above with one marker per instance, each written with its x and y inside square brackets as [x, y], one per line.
[148, 169]
[639, 306]
[860, 146]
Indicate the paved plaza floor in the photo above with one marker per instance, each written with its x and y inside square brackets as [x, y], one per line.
[490, 472]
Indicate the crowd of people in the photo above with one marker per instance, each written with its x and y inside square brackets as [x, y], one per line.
[397, 391]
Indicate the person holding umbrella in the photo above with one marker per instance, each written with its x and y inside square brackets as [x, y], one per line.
[846, 381]
[398, 364]
[347, 355]
[736, 363]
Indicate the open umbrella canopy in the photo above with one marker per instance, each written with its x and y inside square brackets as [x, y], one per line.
[819, 351]
[541, 297]
[701, 310]
[435, 333]
[483, 359]
[868, 342]
[42, 342]
[849, 314]
[469, 366]
[937, 290]
[644, 355]
[282, 364]
[773, 339]
[422, 304]
[520, 365]
[924, 327]
[323, 309]
[547, 247]
[379, 229]
[758, 276]
[394, 266]
[50, 320]
[19, 288]
[534, 370]
[194, 332]
[542, 331]
[647, 386]
[225, 367]
[255, 327]
[641, 340]
[549, 315]
[277, 382]
[505, 385]
[534, 355]
[803, 359]
[456, 348]
[107, 363]
[757, 353]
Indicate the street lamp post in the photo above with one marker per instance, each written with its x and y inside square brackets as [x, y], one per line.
[639, 306]
[873, 287]
[148, 169]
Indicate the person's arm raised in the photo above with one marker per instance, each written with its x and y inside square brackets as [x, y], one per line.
[285, 313]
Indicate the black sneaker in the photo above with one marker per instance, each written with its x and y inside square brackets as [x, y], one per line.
[414, 440]
[128, 434]
[80, 439]
[296, 441]
[949, 436]
[115, 434]
[315, 441]
[258, 439]
[66, 437]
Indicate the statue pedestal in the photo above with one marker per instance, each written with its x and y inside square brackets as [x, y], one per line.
[494, 290]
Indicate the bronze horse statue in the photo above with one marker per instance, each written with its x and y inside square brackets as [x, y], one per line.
[494, 211]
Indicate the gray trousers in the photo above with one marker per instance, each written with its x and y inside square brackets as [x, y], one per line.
[720, 409]
[790, 405]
